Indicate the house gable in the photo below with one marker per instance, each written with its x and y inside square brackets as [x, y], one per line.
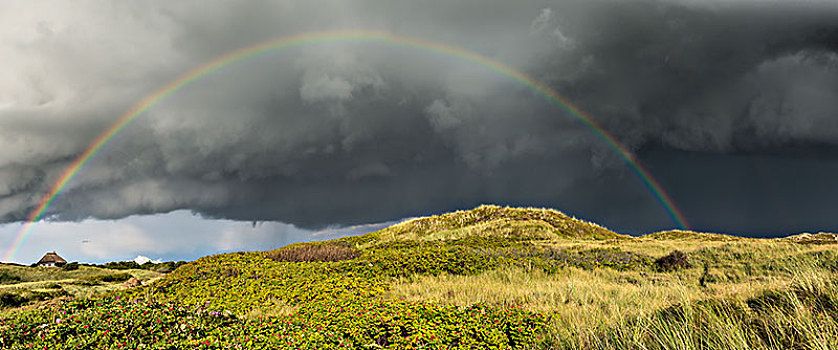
[51, 259]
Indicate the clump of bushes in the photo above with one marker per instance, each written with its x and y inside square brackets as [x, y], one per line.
[114, 277]
[256, 282]
[8, 278]
[117, 277]
[389, 324]
[70, 266]
[551, 260]
[333, 251]
[162, 267]
[424, 259]
[673, 261]
[11, 299]
[20, 297]
[122, 265]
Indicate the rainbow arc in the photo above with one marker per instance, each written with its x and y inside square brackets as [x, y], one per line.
[327, 37]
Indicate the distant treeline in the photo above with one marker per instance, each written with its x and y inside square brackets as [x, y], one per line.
[163, 267]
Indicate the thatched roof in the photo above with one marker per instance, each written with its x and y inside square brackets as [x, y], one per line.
[52, 258]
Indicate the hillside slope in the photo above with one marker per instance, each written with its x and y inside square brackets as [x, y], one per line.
[817, 238]
[684, 235]
[496, 221]
[22, 285]
[491, 277]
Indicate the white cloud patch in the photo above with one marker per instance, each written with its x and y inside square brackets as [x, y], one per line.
[542, 21]
[141, 259]
[543, 24]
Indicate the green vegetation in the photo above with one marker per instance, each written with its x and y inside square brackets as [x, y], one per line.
[672, 235]
[491, 277]
[23, 285]
[70, 266]
[109, 277]
[162, 267]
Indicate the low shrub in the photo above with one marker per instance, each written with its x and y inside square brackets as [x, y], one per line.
[673, 261]
[9, 278]
[20, 297]
[112, 323]
[70, 266]
[332, 251]
[122, 265]
[552, 259]
[165, 266]
[12, 299]
[114, 277]
[423, 259]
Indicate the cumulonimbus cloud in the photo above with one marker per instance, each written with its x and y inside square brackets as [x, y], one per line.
[350, 133]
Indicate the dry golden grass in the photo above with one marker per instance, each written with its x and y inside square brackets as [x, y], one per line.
[673, 235]
[75, 283]
[307, 252]
[586, 300]
[578, 297]
[491, 220]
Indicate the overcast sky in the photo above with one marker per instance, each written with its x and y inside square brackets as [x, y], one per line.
[731, 105]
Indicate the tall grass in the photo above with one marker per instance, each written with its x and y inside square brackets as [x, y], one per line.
[759, 295]
[803, 314]
[575, 296]
[308, 252]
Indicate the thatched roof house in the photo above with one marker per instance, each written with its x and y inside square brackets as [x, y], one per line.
[52, 259]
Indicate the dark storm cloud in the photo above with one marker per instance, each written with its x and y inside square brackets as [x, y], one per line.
[701, 78]
[348, 133]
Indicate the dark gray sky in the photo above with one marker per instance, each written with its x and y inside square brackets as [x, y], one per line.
[732, 105]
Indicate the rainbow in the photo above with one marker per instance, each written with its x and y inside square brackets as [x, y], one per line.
[327, 37]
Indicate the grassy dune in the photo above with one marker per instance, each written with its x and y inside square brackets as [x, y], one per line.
[490, 277]
[490, 220]
[608, 308]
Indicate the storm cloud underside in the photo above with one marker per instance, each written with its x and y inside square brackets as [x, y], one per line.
[733, 106]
